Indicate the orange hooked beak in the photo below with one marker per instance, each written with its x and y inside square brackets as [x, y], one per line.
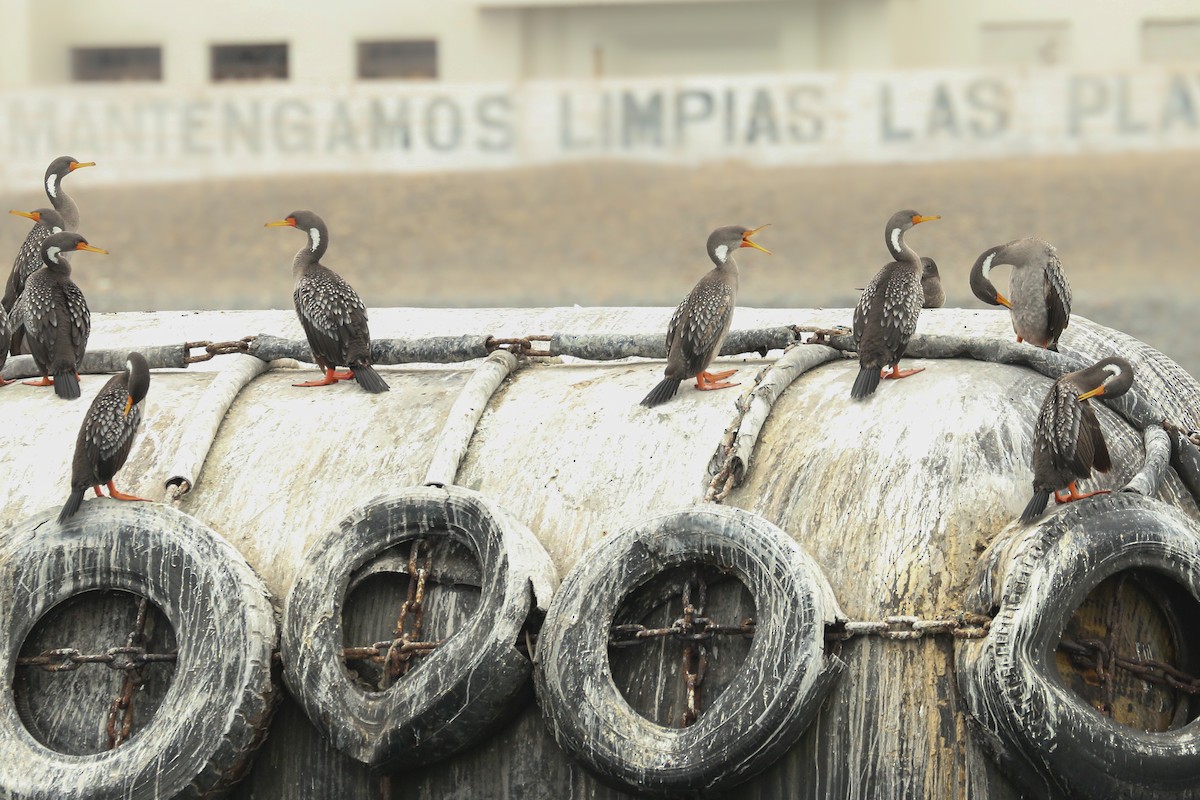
[80, 164]
[33, 215]
[747, 243]
[128, 404]
[1099, 390]
[89, 248]
[917, 219]
[1002, 300]
[290, 222]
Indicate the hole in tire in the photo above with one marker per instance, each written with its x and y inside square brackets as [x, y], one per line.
[650, 675]
[1128, 624]
[377, 595]
[69, 711]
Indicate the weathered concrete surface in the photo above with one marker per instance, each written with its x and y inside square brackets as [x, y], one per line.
[894, 498]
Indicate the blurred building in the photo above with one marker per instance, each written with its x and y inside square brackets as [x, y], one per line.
[53, 42]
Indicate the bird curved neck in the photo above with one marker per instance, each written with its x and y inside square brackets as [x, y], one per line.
[724, 260]
[56, 261]
[62, 202]
[314, 247]
[981, 280]
[900, 249]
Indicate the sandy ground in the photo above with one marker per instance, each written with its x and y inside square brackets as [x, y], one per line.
[621, 234]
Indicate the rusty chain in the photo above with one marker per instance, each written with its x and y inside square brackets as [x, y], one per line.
[396, 654]
[212, 349]
[521, 346]
[963, 625]
[1093, 654]
[1191, 435]
[120, 713]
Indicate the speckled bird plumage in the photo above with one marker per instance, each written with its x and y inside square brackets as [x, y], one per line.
[107, 433]
[1067, 439]
[29, 257]
[1039, 298]
[331, 313]
[886, 314]
[52, 316]
[701, 321]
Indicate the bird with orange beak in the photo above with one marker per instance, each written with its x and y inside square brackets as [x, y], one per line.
[1067, 440]
[886, 315]
[700, 323]
[107, 433]
[332, 314]
[29, 260]
[29, 257]
[52, 315]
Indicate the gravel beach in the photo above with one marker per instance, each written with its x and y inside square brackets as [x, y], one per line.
[632, 234]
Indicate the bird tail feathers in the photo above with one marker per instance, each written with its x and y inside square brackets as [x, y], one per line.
[66, 385]
[1036, 506]
[71, 506]
[866, 383]
[661, 393]
[370, 380]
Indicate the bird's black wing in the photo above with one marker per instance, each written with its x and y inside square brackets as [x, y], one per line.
[107, 433]
[1096, 447]
[886, 315]
[80, 316]
[27, 262]
[36, 312]
[1058, 426]
[710, 308]
[331, 313]
[1058, 297]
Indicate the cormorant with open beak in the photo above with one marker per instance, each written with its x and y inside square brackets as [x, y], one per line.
[700, 323]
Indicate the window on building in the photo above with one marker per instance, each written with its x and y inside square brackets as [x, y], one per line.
[116, 63]
[249, 62]
[404, 60]
[1034, 44]
[1170, 40]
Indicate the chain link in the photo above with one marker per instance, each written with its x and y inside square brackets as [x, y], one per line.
[68, 659]
[522, 346]
[216, 349]
[964, 625]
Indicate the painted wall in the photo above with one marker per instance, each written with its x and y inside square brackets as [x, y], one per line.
[151, 134]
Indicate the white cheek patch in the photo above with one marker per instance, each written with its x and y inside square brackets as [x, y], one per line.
[1113, 370]
[52, 186]
[987, 264]
[722, 252]
[129, 367]
[52, 253]
[315, 236]
[896, 239]
[56, 229]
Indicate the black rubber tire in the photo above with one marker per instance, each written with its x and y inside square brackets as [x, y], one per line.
[220, 702]
[461, 691]
[1043, 735]
[775, 695]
